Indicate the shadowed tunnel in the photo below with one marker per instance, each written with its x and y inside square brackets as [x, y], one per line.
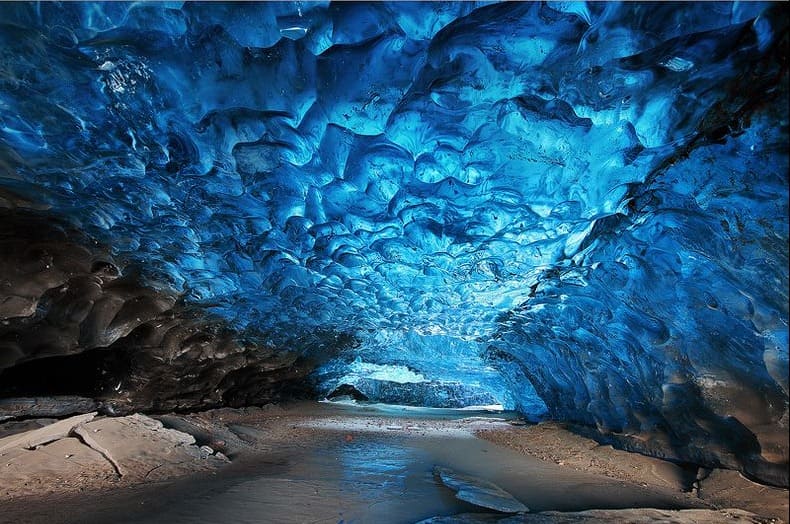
[576, 211]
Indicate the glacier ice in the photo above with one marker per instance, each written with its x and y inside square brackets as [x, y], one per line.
[577, 207]
[423, 369]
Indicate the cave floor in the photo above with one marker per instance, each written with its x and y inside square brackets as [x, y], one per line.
[333, 463]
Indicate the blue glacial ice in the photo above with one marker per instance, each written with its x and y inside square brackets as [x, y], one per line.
[578, 208]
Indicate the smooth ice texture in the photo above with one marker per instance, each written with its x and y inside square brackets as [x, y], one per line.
[592, 197]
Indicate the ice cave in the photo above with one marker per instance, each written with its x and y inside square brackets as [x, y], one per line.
[574, 214]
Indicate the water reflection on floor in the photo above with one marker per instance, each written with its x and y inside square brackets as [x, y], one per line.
[383, 478]
[365, 480]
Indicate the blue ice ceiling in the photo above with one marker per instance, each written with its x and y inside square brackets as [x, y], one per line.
[592, 196]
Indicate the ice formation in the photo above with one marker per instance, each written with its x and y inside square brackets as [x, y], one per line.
[577, 204]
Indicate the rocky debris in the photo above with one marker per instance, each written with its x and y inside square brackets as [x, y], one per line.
[225, 440]
[59, 406]
[137, 442]
[233, 431]
[39, 437]
[478, 491]
[607, 516]
[88, 449]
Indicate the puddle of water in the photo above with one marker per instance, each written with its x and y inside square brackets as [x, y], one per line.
[367, 480]
[376, 477]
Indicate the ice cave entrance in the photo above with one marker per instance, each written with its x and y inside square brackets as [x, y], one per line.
[422, 370]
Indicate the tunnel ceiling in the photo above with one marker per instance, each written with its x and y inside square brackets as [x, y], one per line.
[590, 199]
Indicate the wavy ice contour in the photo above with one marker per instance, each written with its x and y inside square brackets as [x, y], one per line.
[591, 196]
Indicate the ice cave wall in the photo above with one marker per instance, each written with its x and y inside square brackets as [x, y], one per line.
[589, 197]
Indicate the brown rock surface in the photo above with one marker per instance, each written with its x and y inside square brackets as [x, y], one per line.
[80, 452]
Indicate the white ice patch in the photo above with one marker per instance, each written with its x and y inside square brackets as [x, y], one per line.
[391, 372]
[677, 64]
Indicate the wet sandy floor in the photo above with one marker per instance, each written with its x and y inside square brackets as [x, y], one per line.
[353, 471]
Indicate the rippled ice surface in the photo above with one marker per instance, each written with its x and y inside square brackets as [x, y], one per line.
[386, 165]
[591, 196]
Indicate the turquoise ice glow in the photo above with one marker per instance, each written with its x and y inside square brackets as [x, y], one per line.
[590, 197]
